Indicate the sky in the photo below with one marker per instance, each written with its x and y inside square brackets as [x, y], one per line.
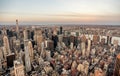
[60, 11]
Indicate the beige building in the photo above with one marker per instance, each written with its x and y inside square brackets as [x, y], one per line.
[6, 44]
[88, 47]
[18, 68]
[30, 48]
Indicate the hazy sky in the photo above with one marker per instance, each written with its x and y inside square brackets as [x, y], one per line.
[60, 11]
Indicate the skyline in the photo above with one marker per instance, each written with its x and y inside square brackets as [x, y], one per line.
[60, 11]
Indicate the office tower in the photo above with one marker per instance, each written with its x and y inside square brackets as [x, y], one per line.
[115, 43]
[55, 37]
[30, 49]
[77, 34]
[12, 73]
[25, 33]
[66, 40]
[39, 40]
[22, 56]
[1, 41]
[27, 58]
[6, 45]
[59, 46]
[48, 55]
[71, 45]
[0, 65]
[54, 31]
[96, 39]
[103, 41]
[88, 47]
[109, 38]
[32, 35]
[61, 29]
[4, 32]
[42, 47]
[11, 43]
[14, 43]
[83, 38]
[10, 60]
[1, 53]
[46, 33]
[83, 48]
[83, 44]
[19, 68]
[50, 34]
[41, 61]
[29, 33]
[117, 66]
[55, 40]
[65, 33]
[17, 28]
[72, 40]
[50, 45]
[17, 45]
[60, 38]
[45, 43]
[38, 37]
[0, 32]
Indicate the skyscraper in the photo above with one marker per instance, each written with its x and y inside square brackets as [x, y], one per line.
[61, 29]
[25, 34]
[109, 38]
[38, 37]
[117, 66]
[17, 28]
[4, 32]
[96, 39]
[55, 40]
[19, 68]
[83, 44]
[0, 65]
[6, 45]
[30, 48]
[27, 58]
[10, 60]
[1, 53]
[88, 47]
[54, 31]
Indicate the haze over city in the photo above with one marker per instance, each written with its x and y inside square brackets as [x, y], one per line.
[59, 37]
[60, 11]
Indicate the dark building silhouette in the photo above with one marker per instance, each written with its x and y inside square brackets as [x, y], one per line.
[109, 39]
[61, 29]
[0, 32]
[10, 60]
[66, 40]
[32, 35]
[50, 45]
[55, 40]
[22, 46]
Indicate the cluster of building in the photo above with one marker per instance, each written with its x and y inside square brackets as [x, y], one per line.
[58, 51]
